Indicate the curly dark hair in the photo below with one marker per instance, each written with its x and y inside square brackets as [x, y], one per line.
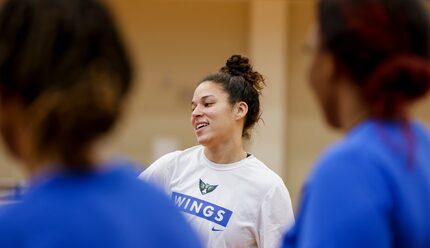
[384, 46]
[241, 83]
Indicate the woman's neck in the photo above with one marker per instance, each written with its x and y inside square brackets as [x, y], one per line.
[36, 167]
[352, 108]
[38, 164]
[226, 153]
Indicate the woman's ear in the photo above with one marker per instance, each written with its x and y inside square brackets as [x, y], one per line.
[241, 109]
[14, 126]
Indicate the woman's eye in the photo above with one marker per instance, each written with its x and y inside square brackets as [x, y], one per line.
[208, 104]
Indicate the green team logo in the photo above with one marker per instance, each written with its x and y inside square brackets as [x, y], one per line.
[206, 187]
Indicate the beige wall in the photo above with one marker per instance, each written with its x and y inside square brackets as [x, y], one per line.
[174, 43]
[268, 50]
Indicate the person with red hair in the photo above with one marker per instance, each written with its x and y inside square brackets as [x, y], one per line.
[372, 188]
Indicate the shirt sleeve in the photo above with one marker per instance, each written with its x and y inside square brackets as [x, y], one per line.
[159, 172]
[346, 203]
[276, 216]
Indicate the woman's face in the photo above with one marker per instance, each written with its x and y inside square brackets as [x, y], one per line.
[323, 80]
[212, 117]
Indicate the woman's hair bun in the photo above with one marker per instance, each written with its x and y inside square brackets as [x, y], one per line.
[398, 81]
[237, 65]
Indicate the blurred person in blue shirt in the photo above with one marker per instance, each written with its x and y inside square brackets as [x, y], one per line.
[372, 188]
[64, 76]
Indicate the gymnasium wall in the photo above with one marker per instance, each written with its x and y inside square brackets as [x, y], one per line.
[174, 43]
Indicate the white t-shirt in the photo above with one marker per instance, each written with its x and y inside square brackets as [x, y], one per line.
[242, 204]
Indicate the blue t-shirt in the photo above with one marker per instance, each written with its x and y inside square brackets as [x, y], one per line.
[372, 189]
[109, 208]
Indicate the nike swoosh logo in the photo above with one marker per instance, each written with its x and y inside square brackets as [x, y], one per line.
[216, 230]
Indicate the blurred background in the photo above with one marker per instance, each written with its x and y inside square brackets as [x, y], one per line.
[175, 43]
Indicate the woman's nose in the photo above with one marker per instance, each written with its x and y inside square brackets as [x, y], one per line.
[196, 112]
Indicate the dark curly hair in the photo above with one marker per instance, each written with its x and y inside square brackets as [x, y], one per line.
[65, 60]
[384, 46]
[241, 83]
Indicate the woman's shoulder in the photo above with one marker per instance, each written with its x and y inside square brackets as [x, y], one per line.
[344, 153]
[170, 162]
[261, 167]
[267, 178]
[15, 220]
[422, 131]
[179, 154]
[360, 157]
[370, 146]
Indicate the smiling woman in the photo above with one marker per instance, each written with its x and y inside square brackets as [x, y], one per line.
[64, 78]
[207, 181]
